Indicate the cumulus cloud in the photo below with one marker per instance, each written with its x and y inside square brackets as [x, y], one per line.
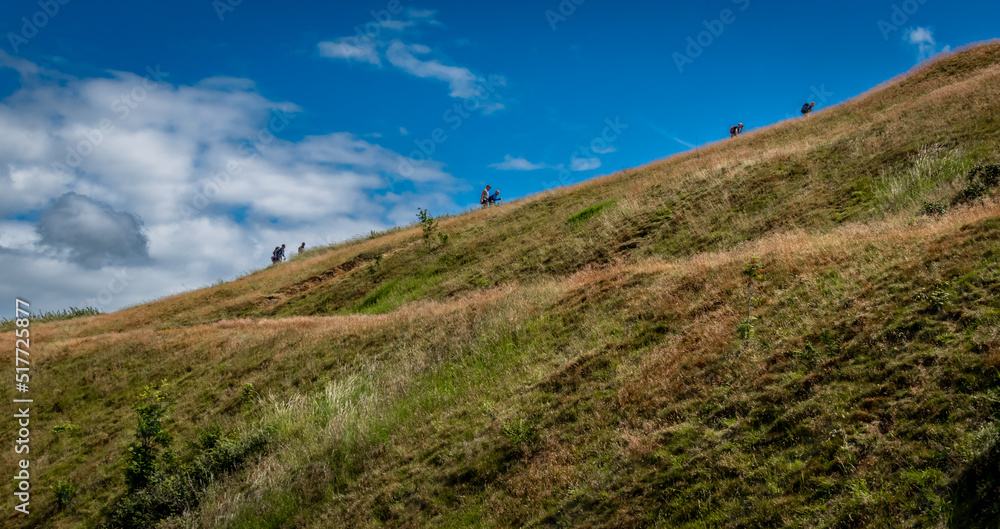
[92, 234]
[510, 163]
[923, 39]
[204, 167]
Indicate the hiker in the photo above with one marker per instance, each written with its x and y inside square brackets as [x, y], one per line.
[736, 131]
[274, 254]
[280, 253]
[807, 108]
[484, 198]
[302, 248]
[495, 197]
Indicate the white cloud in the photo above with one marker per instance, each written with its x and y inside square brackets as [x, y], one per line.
[165, 161]
[350, 48]
[584, 164]
[372, 48]
[923, 39]
[403, 56]
[403, 131]
[510, 163]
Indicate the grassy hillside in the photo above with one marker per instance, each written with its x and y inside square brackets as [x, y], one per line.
[572, 359]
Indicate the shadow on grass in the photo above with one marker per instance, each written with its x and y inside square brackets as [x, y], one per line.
[976, 495]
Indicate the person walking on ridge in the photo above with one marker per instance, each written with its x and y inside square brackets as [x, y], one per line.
[302, 248]
[736, 131]
[484, 198]
[807, 108]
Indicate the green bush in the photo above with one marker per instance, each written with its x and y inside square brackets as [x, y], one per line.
[430, 229]
[174, 489]
[520, 432]
[934, 209]
[982, 179]
[64, 492]
[150, 437]
[248, 393]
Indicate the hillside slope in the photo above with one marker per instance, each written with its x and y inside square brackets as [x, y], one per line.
[572, 359]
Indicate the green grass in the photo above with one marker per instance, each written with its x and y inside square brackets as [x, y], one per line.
[572, 359]
[590, 211]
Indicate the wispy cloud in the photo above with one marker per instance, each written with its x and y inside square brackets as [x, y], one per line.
[684, 143]
[403, 56]
[510, 163]
[390, 43]
[584, 164]
[923, 39]
[351, 49]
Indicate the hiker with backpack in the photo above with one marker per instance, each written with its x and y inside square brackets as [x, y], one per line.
[807, 108]
[484, 198]
[495, 197]
[736, 131]
[274, 254]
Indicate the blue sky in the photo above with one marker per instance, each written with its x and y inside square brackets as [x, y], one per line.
[150, 148]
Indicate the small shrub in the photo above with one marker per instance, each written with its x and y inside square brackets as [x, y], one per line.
[520, 432]
[209, 438]
[375, 266]
[179, 488]
[982, 178]
[60, 428]
[745, 330]
[934, 209]
[150, 437]
[937, 298]
[430, 228]
[248, 393]
[988, 174]
[64, 492]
